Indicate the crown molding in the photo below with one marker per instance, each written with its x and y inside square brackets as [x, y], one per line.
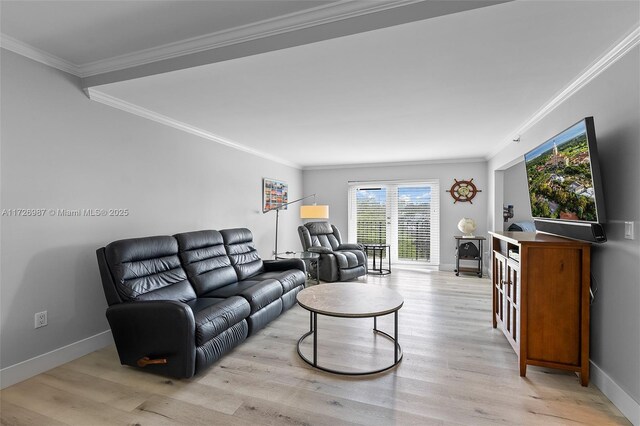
[282, 24]
[332, 12]
[397, 163]
[114, 102]
[16, 46]
[120, 104]
[595, 69]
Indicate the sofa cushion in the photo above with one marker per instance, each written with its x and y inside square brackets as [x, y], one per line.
[201, 303]
[352, 273]
[258, 293]
[360, 257]
[212, 316]
[264, 316]
[240, 248]
[288, 279]
[322, 234]
[205, 260]
[148, 269]
[346, 259]
[289, 298]
[317, 228]
[213, 349]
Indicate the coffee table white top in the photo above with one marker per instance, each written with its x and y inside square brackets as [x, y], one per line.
[350, 300]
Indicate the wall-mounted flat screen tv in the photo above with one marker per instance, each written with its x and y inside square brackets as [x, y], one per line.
[563, 177]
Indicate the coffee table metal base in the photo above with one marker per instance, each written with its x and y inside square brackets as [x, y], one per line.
[313, 325]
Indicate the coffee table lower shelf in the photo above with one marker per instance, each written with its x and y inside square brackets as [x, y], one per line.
[313, 321]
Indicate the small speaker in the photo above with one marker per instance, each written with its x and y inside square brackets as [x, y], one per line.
[592, 232]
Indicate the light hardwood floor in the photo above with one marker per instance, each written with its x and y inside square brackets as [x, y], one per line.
[456, 370]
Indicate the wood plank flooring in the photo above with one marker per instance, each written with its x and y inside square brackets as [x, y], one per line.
[456, 370]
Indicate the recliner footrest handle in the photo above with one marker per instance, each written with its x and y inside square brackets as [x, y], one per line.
[144, 361]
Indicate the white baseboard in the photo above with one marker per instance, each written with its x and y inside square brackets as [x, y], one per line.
[41, 363]
[627, 405]
[447, 267]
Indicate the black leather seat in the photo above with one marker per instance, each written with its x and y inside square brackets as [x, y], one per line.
[219, 327]
[338, 261]
[263, 298]
[290, 273]
[180, 300]
[214, 274]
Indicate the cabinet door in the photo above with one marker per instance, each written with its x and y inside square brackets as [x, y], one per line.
[499, 285]
[512, 300]
[554, 304]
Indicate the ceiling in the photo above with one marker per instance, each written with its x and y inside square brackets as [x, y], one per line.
[456, 86]
[83, 32]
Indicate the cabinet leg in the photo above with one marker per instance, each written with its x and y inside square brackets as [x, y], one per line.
[523, 368]
[584, 375]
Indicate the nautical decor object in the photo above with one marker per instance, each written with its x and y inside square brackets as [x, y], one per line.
[463, 190]
[467, 226]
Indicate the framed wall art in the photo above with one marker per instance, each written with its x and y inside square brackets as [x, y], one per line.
[275, 193]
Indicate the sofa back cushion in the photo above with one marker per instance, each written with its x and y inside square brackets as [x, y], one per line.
[323, 234]
[244, 257]
[148, 269]
[205, 259]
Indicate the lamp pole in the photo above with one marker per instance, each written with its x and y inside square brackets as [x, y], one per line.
[277, 209]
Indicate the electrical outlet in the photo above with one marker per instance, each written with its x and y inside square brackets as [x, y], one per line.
[40, 319]
[629, 233]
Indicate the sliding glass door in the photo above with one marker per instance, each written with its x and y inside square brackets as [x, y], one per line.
[372, 216]
[404, 215]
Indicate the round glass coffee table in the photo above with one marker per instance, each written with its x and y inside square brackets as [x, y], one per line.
[350, 300]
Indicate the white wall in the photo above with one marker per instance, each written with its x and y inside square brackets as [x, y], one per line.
[332, 186]
[516, 193]
[613, 99]
[62, 151]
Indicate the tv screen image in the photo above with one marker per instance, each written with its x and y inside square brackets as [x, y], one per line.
[560, 176]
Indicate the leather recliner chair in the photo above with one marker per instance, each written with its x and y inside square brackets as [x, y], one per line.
[338, 261]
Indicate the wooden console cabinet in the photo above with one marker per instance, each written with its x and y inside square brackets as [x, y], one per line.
[541, 299]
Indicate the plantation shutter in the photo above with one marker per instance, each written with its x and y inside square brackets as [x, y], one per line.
[418, 208]
[405, 215]
[370, 215]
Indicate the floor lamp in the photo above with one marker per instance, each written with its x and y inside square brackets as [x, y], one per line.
[306, 212]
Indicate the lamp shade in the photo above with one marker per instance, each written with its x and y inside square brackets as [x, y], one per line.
[314, 212]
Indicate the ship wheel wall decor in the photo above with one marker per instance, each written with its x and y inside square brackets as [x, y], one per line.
[463, 191]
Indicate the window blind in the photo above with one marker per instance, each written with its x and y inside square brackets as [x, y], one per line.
[371, 220]
[405, 215]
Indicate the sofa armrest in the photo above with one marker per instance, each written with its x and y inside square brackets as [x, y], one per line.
[162, 329]
[283, 265]
[350, 247]
[321, 250]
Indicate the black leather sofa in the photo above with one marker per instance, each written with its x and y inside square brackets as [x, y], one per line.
[178, 303]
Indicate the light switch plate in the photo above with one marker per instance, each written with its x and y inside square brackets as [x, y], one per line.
[629, 232]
